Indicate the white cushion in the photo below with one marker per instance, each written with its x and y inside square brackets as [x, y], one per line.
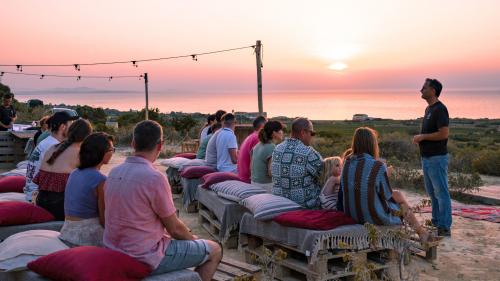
[235, 190]
[267, 206]
[193, 162]
[21, 248]
[175, 162]
[12, 196]
[15, 172]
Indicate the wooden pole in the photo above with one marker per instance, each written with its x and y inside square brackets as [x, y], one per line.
[147, 98]
[258, 58]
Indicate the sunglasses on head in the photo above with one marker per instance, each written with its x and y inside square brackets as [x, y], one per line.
[313, 133]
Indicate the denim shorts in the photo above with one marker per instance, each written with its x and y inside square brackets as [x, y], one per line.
[182, 254]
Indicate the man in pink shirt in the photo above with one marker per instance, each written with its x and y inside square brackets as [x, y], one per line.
[140, 216]
[244, 156]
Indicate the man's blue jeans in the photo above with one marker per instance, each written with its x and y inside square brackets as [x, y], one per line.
[436, 183]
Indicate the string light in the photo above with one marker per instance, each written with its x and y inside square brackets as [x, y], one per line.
[134, 62]
[78, 77]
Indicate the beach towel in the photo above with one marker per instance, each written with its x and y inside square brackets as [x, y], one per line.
[475, 212]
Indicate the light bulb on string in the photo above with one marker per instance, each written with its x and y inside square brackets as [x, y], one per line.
[78, 78]
[134, 63]
[19, 68]
[110, 77]
[42, 76]
[195, 57]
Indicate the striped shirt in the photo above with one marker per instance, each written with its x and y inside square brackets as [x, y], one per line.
[367, 194]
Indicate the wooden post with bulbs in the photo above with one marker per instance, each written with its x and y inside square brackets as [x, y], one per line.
[146, 117]
[258, 58]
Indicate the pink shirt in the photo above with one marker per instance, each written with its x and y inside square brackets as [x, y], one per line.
[245, 154]
[136, 197]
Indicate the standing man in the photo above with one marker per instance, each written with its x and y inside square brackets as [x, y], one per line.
[432, 140]
[7, 113]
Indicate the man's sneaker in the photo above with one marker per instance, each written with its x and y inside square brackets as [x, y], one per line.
[444, 232]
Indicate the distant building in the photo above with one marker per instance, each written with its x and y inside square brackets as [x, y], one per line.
[360, 117]
[249, 115]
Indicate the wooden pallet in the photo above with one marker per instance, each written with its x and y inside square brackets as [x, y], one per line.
[174, 179]
[212, 225]
[428, 251]
[329, 264]
[230, 269]
[12, 148]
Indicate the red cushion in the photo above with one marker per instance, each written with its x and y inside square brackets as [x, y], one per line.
[186, 155]
[89, 263]
[17, 213]
[193, 172]
[12, 184]
[213, 178]
[314, 219]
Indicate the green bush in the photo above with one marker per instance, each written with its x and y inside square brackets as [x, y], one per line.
[487, 163]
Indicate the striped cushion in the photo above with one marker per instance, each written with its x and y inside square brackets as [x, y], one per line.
[267, 206]
[236, 190]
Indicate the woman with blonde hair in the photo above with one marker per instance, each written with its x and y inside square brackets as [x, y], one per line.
[330, 180]
[367, 194]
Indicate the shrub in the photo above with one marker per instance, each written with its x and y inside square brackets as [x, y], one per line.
[487, 163]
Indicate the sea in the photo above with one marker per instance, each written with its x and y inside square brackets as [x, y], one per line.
[314, 104]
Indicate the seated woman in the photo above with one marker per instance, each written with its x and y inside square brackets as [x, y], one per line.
[59, 161]
[202, 149]
[262, 153]
[330, 180]
[367, 194]
[84, 196]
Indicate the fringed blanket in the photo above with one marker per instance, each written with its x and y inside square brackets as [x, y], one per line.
[228, 213]
[311, 242]
[475, 212]
[189, 190]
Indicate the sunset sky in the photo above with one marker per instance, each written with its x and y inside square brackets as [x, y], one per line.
[308, 45]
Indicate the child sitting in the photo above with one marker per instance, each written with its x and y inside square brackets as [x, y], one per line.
[330, 180]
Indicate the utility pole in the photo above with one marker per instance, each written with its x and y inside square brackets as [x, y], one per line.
[146, 91]
[258, 58]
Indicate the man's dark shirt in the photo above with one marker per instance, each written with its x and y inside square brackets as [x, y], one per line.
[6, 115]
[436, 117]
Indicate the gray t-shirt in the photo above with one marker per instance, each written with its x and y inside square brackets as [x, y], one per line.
[211, 153]
[261, 154]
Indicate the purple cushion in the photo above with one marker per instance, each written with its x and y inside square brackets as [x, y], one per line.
[213, 178]
[186, 155]
[194, 172]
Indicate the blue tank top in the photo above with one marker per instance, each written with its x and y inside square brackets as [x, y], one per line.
[80, 199]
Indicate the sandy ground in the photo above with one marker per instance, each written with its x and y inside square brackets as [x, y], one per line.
[472, 253]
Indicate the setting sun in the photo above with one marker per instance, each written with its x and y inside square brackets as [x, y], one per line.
[338, 66]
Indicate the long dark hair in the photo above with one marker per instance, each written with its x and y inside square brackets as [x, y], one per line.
[77, 132]
[93, 149]
[266, 134]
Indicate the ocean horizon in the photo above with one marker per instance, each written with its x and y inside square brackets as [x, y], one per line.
[314, 104]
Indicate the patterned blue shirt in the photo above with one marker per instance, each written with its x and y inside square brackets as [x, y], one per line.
[295, 170]
[367, 194]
